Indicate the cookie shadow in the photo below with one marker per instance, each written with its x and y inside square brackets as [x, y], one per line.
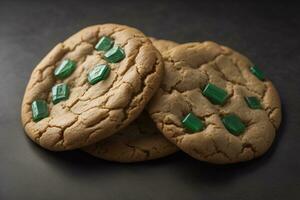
[84, 165]
[72, 161]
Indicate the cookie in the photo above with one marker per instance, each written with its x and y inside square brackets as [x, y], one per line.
[215, 104]
[141, 140]
[90, 86]
[163, 45]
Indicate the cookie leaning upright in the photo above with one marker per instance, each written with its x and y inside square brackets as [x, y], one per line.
[215, 105]
[90, 86]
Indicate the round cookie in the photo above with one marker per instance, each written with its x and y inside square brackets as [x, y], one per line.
[215, 105]
[140, 141]
[108, 74]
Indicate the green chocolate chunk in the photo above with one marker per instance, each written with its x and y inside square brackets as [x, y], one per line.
[215, 94]
[253, 102]
[104, 44]
[257, 72]
[65, 69]
[60, 92]
[98, 73]
[192, 123]
[39, 110]
[233, 124]
[114, 55]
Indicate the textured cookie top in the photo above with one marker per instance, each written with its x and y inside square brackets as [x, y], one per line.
[211, 82]
[93, 110]
[139, 141]
[163, 45]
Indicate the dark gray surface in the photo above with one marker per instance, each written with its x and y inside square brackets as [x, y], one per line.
[267, 33]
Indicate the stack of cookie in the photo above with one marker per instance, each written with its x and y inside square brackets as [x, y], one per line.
[121, 96]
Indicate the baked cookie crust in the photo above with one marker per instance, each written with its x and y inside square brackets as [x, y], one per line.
[188, 69]
[92, 112]
[140, 140]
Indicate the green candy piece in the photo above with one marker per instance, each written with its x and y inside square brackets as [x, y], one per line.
[39, 110]
[104, 44]
[98, 73]
[65, 69]
[253, 102]
[114, 55]
[60, 92]
[192, 123]
[215, 94]
[233, 124]
[257, 72]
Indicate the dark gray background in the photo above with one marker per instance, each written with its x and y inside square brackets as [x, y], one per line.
[268, 33]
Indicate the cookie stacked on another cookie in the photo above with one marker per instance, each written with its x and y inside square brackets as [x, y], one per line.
[90, 86]
[89, 92]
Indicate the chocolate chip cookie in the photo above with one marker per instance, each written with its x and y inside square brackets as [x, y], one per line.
[215, 104]
[90, 86]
